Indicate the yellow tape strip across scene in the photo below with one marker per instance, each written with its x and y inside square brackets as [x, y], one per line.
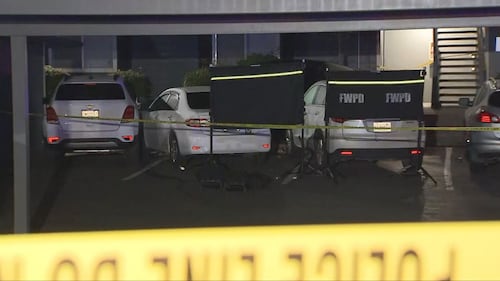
[290, 127]
[399, 82]
[405, 251]
[252, 76]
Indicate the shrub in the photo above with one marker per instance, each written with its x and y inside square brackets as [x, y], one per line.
[198, 77]
[253, 59]
[52, 77]
[137, 83]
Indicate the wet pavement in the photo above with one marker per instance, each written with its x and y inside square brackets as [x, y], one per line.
[107, 192]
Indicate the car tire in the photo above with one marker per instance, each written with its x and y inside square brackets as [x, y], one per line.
[317, 149]
[475, 166]
[146, 154]
[133, 153]
[289, 142]
[174, 152]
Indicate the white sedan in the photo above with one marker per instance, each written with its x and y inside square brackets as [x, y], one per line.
[177, 123]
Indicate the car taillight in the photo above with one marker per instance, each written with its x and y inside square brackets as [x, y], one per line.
[51, 115]
[128, 137]
[53, 139]
[128, 114]
[337, 119]
[487, 117]
[415, 152]
[197, 122]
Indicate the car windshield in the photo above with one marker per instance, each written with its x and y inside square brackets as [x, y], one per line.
[90, 91]
[198, 100]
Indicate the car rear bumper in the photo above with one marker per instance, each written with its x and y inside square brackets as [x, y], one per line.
[485, 151]
[118, 139]
[337, 144]
[191, 144]
[345, 154]
[93, 144]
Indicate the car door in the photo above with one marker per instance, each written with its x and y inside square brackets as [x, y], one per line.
[314, 113]
[309, 98]
[155, 131]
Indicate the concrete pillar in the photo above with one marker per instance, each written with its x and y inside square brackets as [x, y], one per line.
[20, 108]
[36, 92]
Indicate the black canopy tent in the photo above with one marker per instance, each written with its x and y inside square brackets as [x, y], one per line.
[262, 94]
[372, 95]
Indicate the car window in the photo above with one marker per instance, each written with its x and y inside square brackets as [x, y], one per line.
[494, 99]
[90, 91]
[198, 100]
[173, 100]
[310, 95]
[160, 103]
[320, 96]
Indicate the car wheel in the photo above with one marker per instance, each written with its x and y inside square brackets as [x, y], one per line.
[144, 152]
[173, 150]
[475, 166]
[289, 142]
[133, 153]
[318, 154]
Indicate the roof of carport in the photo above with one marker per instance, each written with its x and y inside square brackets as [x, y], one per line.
[150, 17]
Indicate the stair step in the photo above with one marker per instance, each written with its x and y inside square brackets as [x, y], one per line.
[456, 29]
[459, 52]
[459, 80]
[459, 73]
[457, 95]
[454, 58]
[457, 38]
[456, 45]
[458, 87]
[457, 65]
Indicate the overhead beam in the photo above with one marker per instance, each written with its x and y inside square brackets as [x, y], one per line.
[237, 28]
[185, 7]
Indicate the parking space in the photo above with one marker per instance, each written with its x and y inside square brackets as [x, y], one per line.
[105, 192]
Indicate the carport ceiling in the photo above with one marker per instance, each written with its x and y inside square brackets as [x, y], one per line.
[163, 17]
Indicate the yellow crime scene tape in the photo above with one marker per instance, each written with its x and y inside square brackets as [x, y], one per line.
[398, 251]
[282, 126]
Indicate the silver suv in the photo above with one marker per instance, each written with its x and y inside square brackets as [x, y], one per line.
[483, 147]
[377, 139]
[91, 112]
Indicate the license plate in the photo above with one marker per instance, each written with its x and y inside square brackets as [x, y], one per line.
[382, 127]
[90, 113]
[239, 131]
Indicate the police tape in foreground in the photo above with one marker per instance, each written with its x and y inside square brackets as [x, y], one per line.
[418, 251]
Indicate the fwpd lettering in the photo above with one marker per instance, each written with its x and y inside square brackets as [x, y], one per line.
[397, 98]
[351, 98]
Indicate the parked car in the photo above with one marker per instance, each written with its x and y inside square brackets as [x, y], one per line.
[483, 147]
[390, 141]
[188, 133]
[91, 112]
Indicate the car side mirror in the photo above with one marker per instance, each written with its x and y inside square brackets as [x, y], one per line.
[464, 102]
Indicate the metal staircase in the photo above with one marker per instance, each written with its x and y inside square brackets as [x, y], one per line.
[459, 63]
